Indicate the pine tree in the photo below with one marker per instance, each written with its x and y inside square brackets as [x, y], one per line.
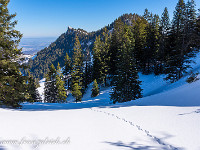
[156, 43]
[13, 87]
[149, 51]
[97, 59]
[177, 62]
[61, 93]
[126, 83]
[191, 28]
[50, 86]
[76, 92]
[191, 17]
[67, 71]
[95, 89]
[77, 71]
[114, 45]
[101, 58]
[88, 70]
[139, 31]
[105, 69]
[34, 95]
[164, 39]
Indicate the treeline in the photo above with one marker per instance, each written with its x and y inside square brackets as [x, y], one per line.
[112, 56]
[148, 44]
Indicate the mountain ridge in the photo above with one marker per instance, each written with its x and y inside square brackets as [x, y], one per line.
[57, 50]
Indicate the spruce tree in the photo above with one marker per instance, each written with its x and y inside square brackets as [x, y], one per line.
[105, 69]
[76, 92]
[191, 17]
[156, 44]
[61, 93]
[177, 62]
[88, 70]
[192, 37]
[101, 58]
[97, 59]
[67, 71]
[95, 89]
[77, 71]
[140, 34]
[165, 27]
[50, 86]
[115, 44]
[13, 88]
[126, 83]
[34, 95]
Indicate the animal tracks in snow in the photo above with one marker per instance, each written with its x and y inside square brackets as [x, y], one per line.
[147, 133]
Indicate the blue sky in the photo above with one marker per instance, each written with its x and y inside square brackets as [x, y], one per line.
[50, 18]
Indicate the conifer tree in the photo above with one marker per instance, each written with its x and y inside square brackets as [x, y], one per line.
[156, 43]
[147, 15]
[114, 45]
[77, 71]
[67, 71]
[88, 70]
[105, 56]
[176, 63]
[13, 89]
[191, 17]
[101, 58]
[97, 59]
[139, 31]
[191, 27]
[61, 93]
[95, 89]
[126, 83]
[164, 39]
[76, 92]
[34, 95]
[50, 86]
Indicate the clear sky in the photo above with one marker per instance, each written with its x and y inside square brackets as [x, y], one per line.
[50, 18]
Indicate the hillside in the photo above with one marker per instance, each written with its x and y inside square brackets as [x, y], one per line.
[166, 120]
[57, 50]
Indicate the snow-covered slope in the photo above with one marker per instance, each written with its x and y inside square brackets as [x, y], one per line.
[166, 118]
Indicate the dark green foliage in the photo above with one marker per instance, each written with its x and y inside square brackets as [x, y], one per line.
[61, 93]
[88, 71]
[140, 34]
[54, 90]
[97, 58]
[101, 58]
[50, 90]
[77, 71]
[67, 71]
[126, 83]
[34, 95]
[183, 41]
[13, 87]
[95, 89]
[76, 92]
[164, 40]
[114, 45]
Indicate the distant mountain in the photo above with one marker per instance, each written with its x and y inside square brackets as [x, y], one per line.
[31, 46]
[57, 50]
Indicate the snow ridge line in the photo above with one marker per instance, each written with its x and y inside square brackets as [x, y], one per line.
[158, 140]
